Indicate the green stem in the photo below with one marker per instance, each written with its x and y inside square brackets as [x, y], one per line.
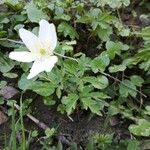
[23, 145]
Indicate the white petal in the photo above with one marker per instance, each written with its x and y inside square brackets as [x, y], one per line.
[47, 34]
[45, 64]
[31, 41]
[37, 67]
[50, 62]
[22, 56]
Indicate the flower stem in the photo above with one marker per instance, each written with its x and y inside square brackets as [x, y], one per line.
[66, 57]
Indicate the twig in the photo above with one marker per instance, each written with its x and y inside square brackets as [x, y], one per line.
[10, 40]
[36, 121]
[108, 75]
[66, 57]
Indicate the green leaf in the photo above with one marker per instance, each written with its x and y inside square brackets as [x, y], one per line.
[133, 145]
[1, 100]
[124, 32]
[70, 102]
[114, 48]
[70, 66]
[92, 105]
[104, 34]
[116, 68]
[127, 88]
[10, 75]
[137, 80]
[59, 146]
[34, 133]
[147, 110]
[5, 63]
[49, 101]
[142, 128]
[24, 83]
[35, 14]
[2, 84]
[100, 62]
[67, 30]
[73, 147]
[49, 132]
[99, 82]
[13, 4]
[43, 88]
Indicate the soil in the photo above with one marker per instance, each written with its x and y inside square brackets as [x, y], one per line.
[77, 129]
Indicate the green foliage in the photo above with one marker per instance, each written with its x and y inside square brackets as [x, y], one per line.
[67, 30]
[100, 63]
[35, 14]
[141, 129]
[127, 88]
[112, 67]
[70, 102]
[102, 140]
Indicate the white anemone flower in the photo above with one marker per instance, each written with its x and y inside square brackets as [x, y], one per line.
[40, 49]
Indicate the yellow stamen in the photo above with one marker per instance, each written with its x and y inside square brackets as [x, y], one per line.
[42, 51]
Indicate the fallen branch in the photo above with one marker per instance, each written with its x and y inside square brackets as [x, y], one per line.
[35, 120]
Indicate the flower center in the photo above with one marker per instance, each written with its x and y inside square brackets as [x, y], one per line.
[42, 51]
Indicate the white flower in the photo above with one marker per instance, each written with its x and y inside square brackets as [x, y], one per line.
[40, 49]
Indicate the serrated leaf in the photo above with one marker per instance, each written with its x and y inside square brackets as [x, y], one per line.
[104, 34]
[142, 128]
[114, 48]
[70, 66]
[43, 89]
[67, 30]
[116, 68]
[91, 104]
[100, 62]
[99, 82]
[127, 88]
[137, 80]
[70, 102]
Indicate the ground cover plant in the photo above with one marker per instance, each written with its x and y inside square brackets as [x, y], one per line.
[86, 87]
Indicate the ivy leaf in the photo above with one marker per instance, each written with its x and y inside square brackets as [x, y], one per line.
[141, 129]
[127, 88]
[67, 30]
[35, 14]
[70, 102]
[100, 62]
[116, 68]
[137, 80]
